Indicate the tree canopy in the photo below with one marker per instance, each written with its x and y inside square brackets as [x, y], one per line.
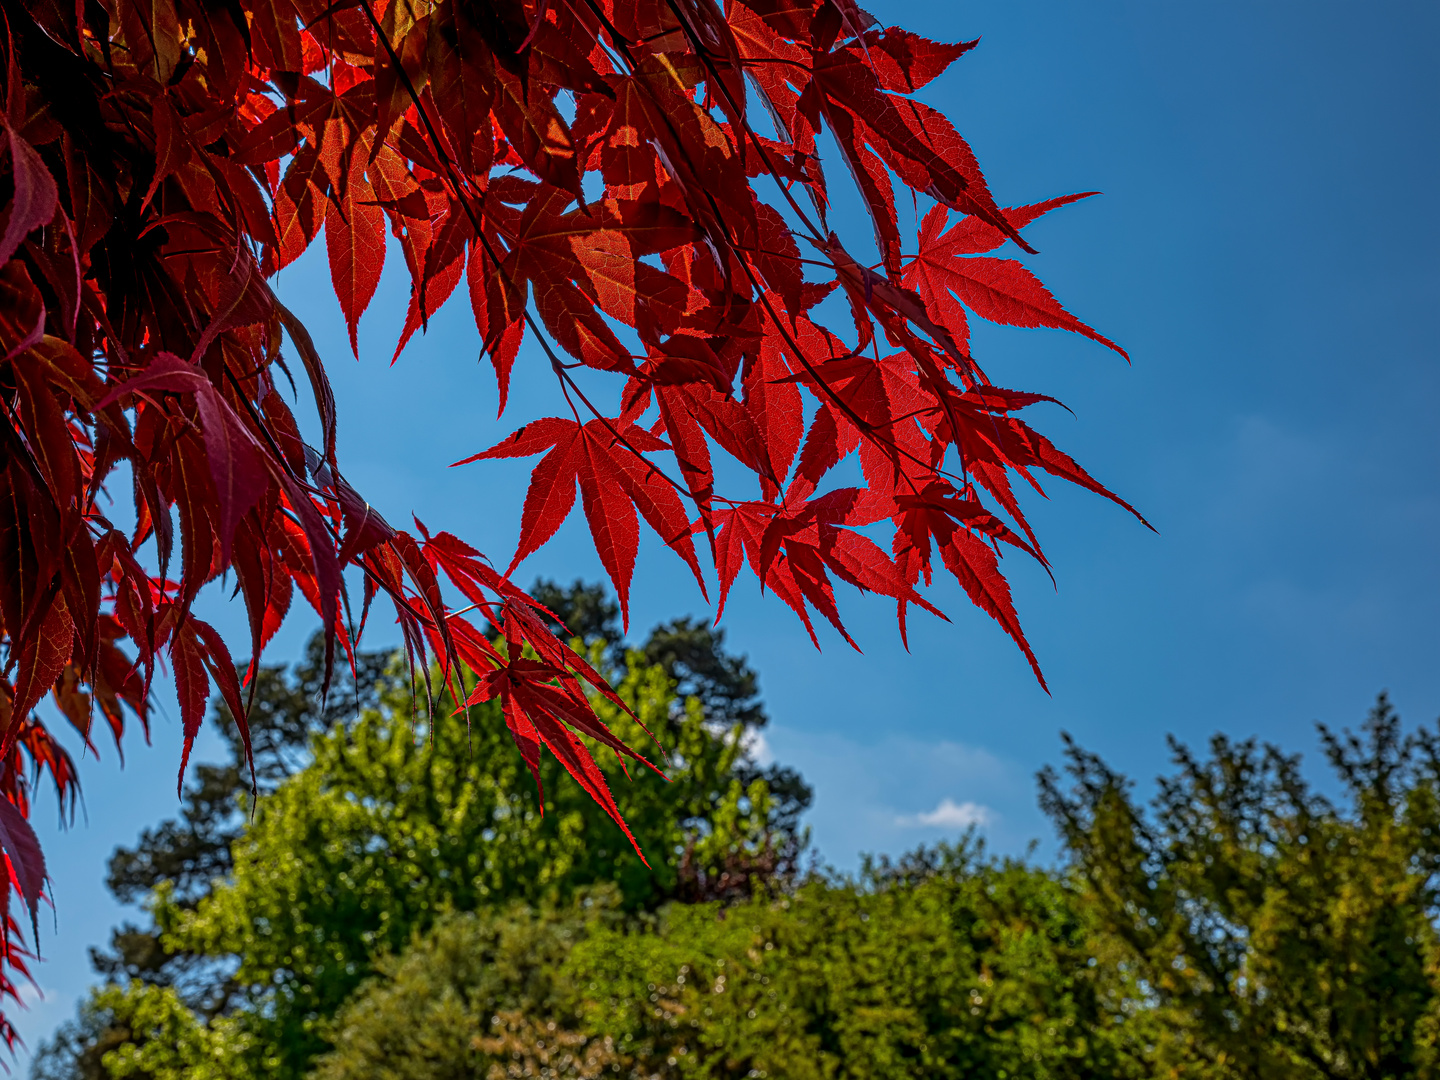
[632, 188]
[1281, 934]
[399, 907]
[374, 825]
[948, 964]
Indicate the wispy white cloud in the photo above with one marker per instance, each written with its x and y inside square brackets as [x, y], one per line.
[948, 814]
[891, 792]
[753, 743]
[757, 748]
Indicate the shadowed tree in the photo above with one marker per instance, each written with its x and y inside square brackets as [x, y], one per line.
[1280, 935]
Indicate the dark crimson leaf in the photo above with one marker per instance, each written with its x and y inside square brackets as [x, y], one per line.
[25, 860]
[35, 195]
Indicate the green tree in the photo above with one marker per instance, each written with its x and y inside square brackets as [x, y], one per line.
[390, 824]
[692, 653]
[189, 854]
[474, 992]
[947, 964]
[1277, 934]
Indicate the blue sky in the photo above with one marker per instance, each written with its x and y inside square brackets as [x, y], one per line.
[1265, 248]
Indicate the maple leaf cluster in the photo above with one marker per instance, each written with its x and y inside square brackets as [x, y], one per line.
[628, 183]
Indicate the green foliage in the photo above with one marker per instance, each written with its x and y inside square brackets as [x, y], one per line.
[166, 1040]
[187, 856]
[142, 1032]
[392, 822]
[958, 967]
[950, 965]
[399, 908]
[1278, 935]
[478, 988]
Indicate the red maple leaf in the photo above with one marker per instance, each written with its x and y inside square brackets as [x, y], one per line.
[596, 176]
[606, 458]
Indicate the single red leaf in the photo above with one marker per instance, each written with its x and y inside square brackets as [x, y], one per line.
[25, 859]
[658, 502]
[299, 206]
[1003, 291]
[221, 668]
[527, 739]
[316, 569]
[609, 511]
[825, 447]
[192, 686]
[978, 571]
[575, 710]
[873, 180]
[166, 373]
[536, 130]
[35, 195]
[904, 62]
[578, 762]
[280, 133]
[237, 464]
[437, 290]
[171, 149]
[974, 236]
[1033, 448]
[549, 498]
[40, 657]
[46, 428]
[501, 329]
[355, 242]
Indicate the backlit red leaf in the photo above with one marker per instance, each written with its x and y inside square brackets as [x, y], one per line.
[355, 241]
[24, 859]
[640, 188]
